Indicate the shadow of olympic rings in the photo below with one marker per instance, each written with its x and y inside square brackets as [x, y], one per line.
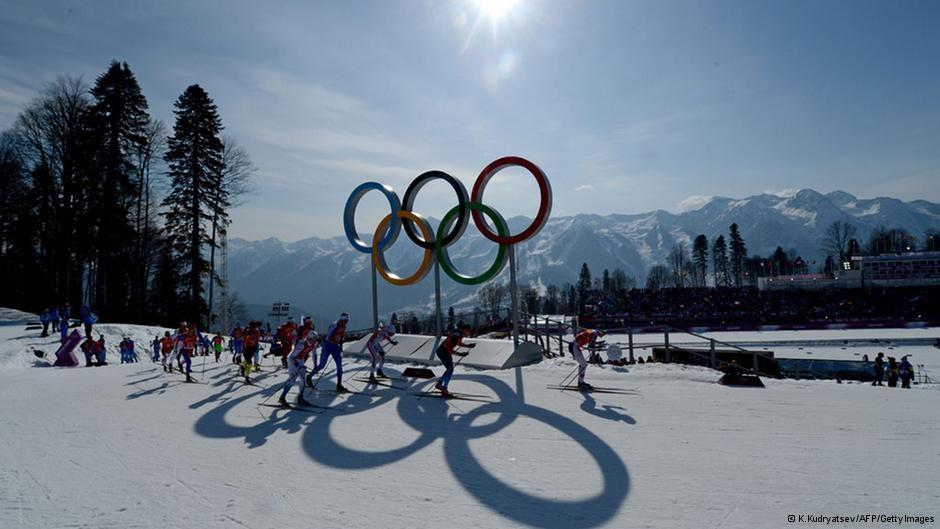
[429, 417]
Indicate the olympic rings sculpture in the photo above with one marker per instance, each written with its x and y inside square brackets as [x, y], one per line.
[452, 225]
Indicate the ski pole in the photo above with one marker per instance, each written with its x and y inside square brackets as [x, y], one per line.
[570, 376]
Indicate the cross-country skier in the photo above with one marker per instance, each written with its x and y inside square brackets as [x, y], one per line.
[581, 340]
[54, 317]
[237, 342]
[286, 333]
[374, 345]
[305, 329]
[252, 343]
[333, 347]
[166, 347]
[187, 348]
[296, 368]
[217, 343]
[446, 352]
[177, 343]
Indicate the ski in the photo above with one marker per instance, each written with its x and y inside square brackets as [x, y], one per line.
[349, 392]
[454, 396]
[616, 391]
[379, 382]
[312, 408]
[195, 382]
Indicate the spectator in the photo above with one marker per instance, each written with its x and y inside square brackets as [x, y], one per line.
[89, 318]
[45, 318]
[54, 319]
[892, 372]
[879, 370]
[907, 373]
[128, 354]
[63, 330]
[156, 348]
[89, 348]
[101, 351]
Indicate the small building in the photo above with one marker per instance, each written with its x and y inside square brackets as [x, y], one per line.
[894, 270]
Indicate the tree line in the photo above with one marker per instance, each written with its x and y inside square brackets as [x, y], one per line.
[721, 262]
[101, 205]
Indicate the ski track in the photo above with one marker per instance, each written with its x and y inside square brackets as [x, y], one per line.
[133, 447]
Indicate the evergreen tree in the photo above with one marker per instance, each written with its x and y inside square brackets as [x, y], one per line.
[700, 259]
[720, 262]
[451, 318]
[605, 284]
[738, 255]
[550, 304]
[166, 286]
[779, 262]
[118, 121]
[573, 301]
[194, 157]
[584, 286]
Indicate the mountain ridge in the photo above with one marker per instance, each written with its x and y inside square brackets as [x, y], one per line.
[314, 269]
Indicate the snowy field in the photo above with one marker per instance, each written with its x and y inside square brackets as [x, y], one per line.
[132, 447]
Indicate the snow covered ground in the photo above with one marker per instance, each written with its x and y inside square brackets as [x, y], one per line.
[132, 447]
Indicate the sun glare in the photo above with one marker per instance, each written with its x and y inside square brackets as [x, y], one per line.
[495, 10]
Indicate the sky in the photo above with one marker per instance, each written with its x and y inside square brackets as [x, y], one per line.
[626, 106]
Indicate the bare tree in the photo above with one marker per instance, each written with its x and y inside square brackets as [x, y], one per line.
[678, 259]
[234, 181]
[149, 152]
[51, 131]
[491, 297]
[658, 277]
[836, 239]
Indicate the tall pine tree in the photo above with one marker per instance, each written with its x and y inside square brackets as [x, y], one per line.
[738, 255]
[720, 262]
[584, 286]
[194, 157]
[700, 259]
[118, 122]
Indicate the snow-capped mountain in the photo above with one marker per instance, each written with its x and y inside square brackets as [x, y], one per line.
[330, 275]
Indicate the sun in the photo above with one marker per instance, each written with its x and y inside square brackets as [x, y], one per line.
[495, 10]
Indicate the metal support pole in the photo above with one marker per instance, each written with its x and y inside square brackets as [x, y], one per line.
[375, 298]
[668, 354]
[514, 296]
[711, 353]
[438, 316]
[630, 342]
[756, 370]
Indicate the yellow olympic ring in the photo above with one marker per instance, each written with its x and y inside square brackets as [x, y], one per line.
[378, 250]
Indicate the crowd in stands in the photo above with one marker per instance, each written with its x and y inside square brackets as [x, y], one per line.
[743, 306]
